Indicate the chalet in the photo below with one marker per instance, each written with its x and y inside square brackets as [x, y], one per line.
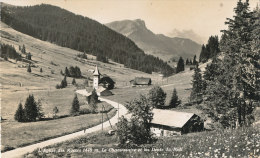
[141, 81]
[170, 123]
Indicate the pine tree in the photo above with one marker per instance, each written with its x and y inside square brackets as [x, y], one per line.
[67, 73]
[187, 61]
[40, 113]
[212, 70]
[197, 85]
[19, 114]
[180, 65]
[194, 60]
[23, 49]
[203, 54]
[64, 82]
[174, 100]
[30, 109]
[93, 101]
[29, 68]
[29, 56]
[157, 97]
[75, 106]
[73, 81]
[230, 95]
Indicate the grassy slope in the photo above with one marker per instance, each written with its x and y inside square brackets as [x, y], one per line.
[243, 142]
[17, 84]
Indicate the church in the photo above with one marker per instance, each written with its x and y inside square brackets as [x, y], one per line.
[101, 85]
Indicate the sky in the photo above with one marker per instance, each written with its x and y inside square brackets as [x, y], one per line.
[205, 17]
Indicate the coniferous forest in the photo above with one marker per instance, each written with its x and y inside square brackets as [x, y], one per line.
[230, 89]
[59, 26]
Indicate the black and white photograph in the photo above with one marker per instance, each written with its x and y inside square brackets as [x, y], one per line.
[130, 78]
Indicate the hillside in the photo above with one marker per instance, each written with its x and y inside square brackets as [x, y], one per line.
[155, 44]
[17, 84]
[56, 25]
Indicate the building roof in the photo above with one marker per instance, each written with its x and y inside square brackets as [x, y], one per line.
[106, 93]
[171, 118]
[96, 72]
[141, 81]
[100, 89]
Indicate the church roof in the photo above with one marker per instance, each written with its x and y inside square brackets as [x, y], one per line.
[96, 72]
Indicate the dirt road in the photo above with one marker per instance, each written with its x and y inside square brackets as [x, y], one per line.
[19, 152]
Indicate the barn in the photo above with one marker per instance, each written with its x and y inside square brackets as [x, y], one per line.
[141, 81]
[170, 123]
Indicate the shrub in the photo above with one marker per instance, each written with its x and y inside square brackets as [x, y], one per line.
[55, 111]
[137, 130]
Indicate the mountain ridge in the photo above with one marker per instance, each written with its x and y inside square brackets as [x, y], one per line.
[158, 45]
[57, 25]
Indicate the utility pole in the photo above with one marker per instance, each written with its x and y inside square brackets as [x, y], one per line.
[102, 116]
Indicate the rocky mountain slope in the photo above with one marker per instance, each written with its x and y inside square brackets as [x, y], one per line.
[158, 45]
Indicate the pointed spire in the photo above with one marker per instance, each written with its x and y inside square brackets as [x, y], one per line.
[96, 72]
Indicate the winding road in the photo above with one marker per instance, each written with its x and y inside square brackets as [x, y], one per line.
[19, 152]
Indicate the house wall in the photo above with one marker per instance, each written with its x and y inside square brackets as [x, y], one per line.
[195, 124]
[165, 131]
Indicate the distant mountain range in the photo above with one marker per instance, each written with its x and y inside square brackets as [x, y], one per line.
[190, 34]
[158, 45]
[64, 28]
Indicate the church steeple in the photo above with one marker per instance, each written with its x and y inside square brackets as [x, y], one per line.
[96, 76]
[96, 72]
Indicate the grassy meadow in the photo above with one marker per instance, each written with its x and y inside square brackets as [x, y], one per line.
[241, 142]
[17, 84]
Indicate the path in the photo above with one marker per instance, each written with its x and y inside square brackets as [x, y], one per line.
[19, 152]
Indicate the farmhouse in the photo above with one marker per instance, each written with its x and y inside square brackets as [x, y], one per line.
[170, 123]
[141, 81]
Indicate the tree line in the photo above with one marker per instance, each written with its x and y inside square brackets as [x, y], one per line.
[210, 50]
[56, 25]
[72, 72]
[8, 51]
[181, 65]
[31, 111]
[229, 88]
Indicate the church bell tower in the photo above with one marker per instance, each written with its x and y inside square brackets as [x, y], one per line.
[96, 77]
